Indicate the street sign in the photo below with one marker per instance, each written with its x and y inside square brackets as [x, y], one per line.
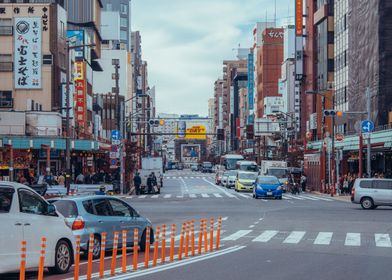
[114, 155]
[367, 126]
[116, 135]
[113, 163]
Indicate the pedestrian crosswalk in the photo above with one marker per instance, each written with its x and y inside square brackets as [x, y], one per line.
[227, 194]
[297, 237]
[188, 177]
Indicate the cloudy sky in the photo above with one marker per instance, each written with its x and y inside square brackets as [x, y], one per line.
[185, 41]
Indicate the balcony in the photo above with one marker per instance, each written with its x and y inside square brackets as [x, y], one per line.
[6, 103]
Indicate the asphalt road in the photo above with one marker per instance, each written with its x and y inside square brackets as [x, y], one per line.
[301, 237]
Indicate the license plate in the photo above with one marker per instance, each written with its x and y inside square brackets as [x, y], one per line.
[269, 193]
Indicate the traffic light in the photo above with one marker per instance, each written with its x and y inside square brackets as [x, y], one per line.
[156, 122]
[220, 134]
[332, 113]
[250, 131]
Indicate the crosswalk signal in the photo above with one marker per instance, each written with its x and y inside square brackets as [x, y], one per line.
[220, 134]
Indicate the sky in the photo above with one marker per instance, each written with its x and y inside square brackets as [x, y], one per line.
[185, 42]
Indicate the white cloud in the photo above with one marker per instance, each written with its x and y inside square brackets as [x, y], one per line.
[185, 41]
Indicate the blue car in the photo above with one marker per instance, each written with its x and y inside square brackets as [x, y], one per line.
[267, 186]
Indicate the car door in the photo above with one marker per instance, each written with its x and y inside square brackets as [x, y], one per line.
[383, 188]
[122, 214]
[37, 224]
[11, 222]
[103, 219]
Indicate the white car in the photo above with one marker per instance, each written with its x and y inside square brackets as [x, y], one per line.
[231, 178]
[26, 216]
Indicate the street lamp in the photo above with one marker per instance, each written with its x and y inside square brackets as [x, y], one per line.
[67, 117]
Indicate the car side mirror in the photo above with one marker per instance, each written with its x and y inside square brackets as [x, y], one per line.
[51, 210]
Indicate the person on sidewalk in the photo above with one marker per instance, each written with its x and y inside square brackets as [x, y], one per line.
[303, 182]
[137, 181]
[345, 185]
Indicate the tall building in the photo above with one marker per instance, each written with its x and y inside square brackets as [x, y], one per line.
[269, 59]
[123, 7]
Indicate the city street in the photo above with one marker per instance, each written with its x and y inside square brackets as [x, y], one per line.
[299, 237]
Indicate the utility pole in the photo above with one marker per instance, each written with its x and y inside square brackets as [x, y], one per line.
[369, 147]
[333, 161]
[67, 124]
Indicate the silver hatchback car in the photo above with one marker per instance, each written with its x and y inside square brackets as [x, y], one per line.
[372, 192]
[98, 214]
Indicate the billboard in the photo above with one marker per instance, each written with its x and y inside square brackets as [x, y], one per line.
[190, 152]
[80, 98]
[76, 38]
[193, 132]
[298, 17]
[27, 52]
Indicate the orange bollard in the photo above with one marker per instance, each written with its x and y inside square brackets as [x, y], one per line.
[172, 241]
[156, 247]
[114, 254]
[211, 234]
[102, 256]
[200, 237]
[147, 246]
[124, 252]
[90, 256]
[135, 248]
[218, 233]
[181, 242]
[187, 226]
[163, 247]
[42, 259]
[77, 258]
[193, 237]
[22, 270]
[205, 236]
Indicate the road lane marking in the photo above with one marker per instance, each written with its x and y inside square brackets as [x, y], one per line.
[180, 263]
[185, 186]
[217, 195]
[285, 197]
[142, 196]
[251, 226]
[295, 197]
[319, 198]
[220, 189]
[382, 240]
[225, 218]
[353, 239]
[266, 236]
[308, 197]
[192, 195]
[294, 237]
[323, 238]
[237, 235]
[180, 196]
[167, 196]
[205, 195]
[155, 196]
[243, 195]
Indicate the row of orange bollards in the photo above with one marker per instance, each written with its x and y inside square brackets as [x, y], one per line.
[186, 247]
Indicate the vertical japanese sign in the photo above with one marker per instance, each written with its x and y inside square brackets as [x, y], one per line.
[80, 104]
[298, 17]
[27, 52]
[251, 82]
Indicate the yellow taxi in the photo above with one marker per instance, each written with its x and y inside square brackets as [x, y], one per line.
[244, 181]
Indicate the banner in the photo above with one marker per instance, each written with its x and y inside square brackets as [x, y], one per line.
[27, 52]
[194, 132]
[190, 153]
[298, 17]
[251, 81]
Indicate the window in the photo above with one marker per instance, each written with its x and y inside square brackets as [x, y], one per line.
[382, 184]
[120, 208]
[67, 208]
[6, 64]
[102, 207]
[123, 22]
[6, 27]
[88, 206]
[62, 30]
[31, 203]
[123, 35]
[6, 195]
[109, 7]
[123, 9]
[366, 184]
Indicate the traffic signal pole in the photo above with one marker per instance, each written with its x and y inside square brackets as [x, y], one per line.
[369, 146]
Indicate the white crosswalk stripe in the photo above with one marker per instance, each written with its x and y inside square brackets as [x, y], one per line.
[142, 196]
[205, 195]
[167, 196]
[155, 196]
[237, 235]
[294, 197]
[217, 195]
[294, 237]
[382, 240]
[319, 198]
[192, 195]
[323, 238]
[353, 239]
[285, 197]
[266, 236]
[243, 195]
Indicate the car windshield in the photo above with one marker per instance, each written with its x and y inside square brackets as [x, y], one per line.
[232, 173]
[226, 174]
[247, 176]
[267, 181]
[67, 208]
[207, 164]
[277, 172]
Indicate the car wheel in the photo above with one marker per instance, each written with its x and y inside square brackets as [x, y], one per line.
[367, 203]
[97, 247]
[142, 244]
[63, 258]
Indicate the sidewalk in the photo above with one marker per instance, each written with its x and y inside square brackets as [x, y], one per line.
[345, 198]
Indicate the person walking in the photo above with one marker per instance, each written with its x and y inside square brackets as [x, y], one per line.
[303, 182]
[149, 183]
[61, 179]
[137, 181]
[80, 178]
[345, 184]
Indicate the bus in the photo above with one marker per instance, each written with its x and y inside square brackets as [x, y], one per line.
[229, 161]
[246, 165]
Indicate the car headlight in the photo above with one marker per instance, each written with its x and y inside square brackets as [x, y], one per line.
[286, 183]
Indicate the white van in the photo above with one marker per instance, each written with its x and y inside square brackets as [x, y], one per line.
[372, 192]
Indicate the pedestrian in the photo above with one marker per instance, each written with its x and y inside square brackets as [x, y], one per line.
[80, 178]
[303, 182]
[345, 185]
[61, 179]
[149, 183]
[87, 179]
[137, 181]
[351, 184]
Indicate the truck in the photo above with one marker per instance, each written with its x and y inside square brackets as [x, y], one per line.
[276, 168]
[150, 165]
